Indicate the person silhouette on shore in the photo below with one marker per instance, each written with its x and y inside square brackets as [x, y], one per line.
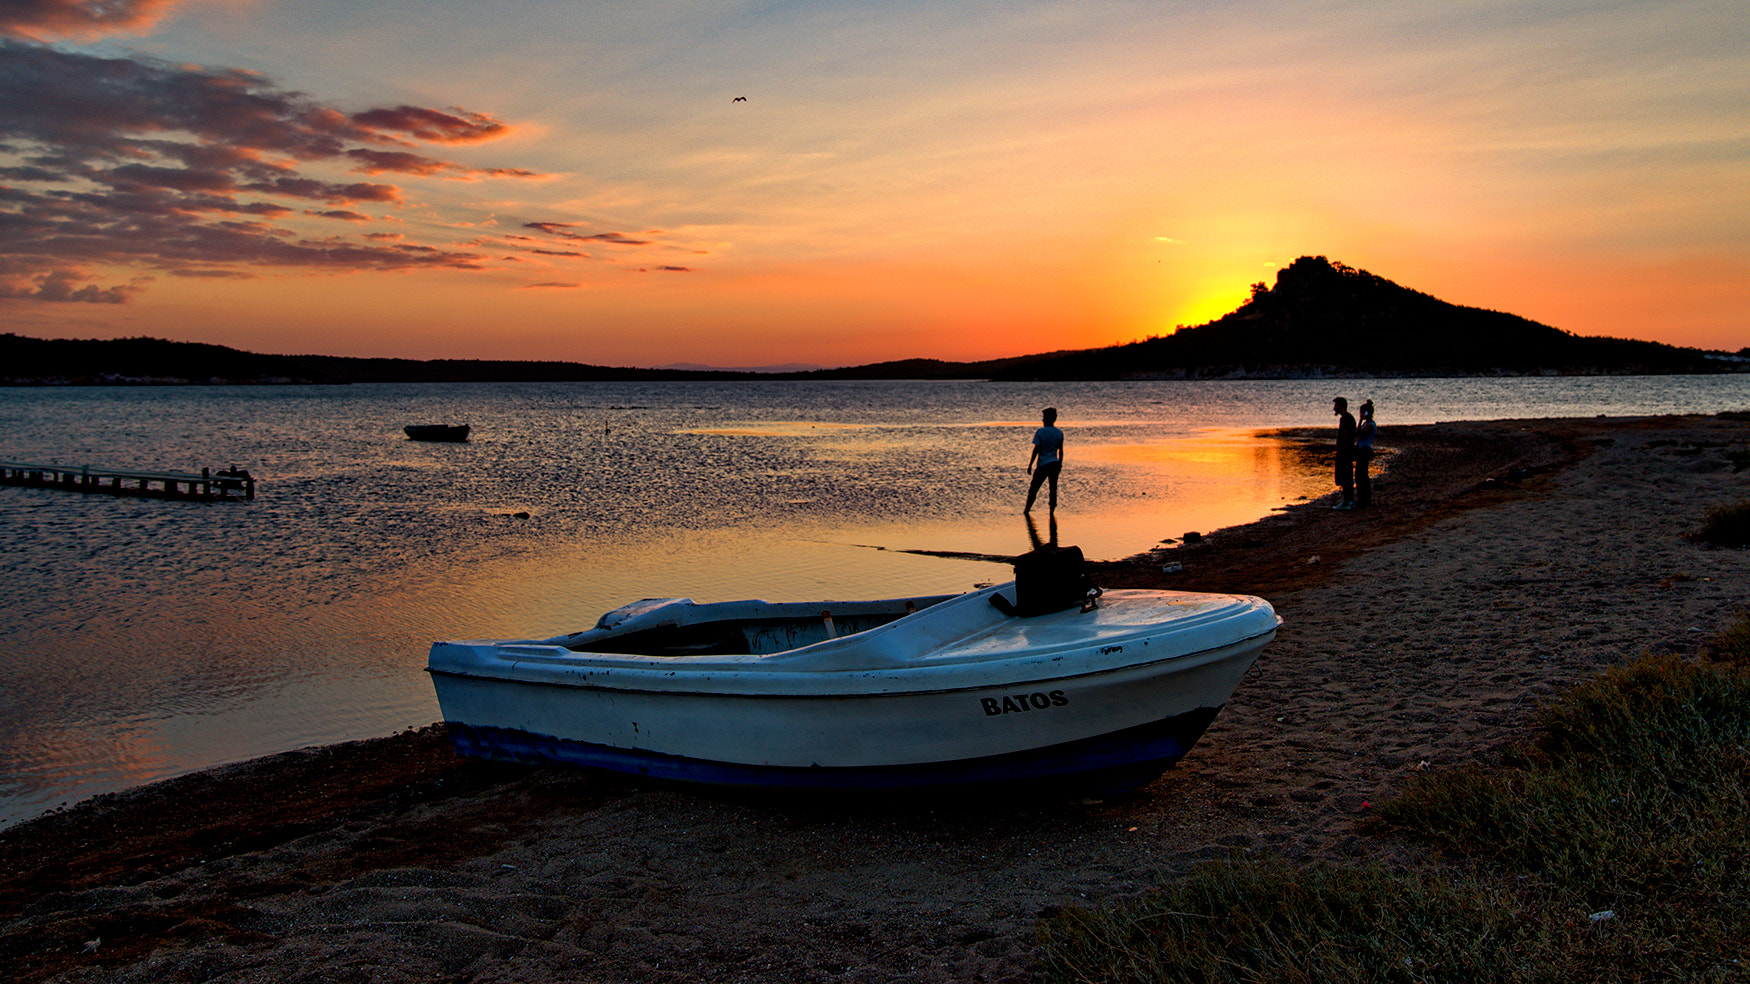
[1048, 455]
[1364, 434]
[1345, 452]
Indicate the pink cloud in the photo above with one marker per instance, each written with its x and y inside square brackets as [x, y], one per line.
[62, 286]
[39, 19]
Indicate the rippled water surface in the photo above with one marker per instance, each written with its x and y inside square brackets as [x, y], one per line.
[140, 639]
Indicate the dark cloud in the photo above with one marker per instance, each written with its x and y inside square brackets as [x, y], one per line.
[569, 234]
[27, 174]
[136, 163]
[397, 161]
[340, 213]
[455, 126]
[563, 231]
[403, 162]
[192, 273]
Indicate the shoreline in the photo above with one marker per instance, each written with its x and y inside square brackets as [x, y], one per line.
[1503, 561]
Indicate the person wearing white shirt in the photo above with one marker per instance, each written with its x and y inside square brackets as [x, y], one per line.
[1048, 455]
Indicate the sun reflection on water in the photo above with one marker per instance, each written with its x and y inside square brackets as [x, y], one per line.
[142, 638]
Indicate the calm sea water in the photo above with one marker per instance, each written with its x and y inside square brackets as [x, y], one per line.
[141, 639]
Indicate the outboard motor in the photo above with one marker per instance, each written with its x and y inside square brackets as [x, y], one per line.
[1050, 579]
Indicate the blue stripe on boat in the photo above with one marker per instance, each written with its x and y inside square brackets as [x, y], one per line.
[1132, 757]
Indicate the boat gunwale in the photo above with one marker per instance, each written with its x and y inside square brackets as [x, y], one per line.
[561, 650]
[898, 674]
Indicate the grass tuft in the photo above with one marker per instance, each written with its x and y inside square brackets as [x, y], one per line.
[1634, 789]
[1268, 921]
[1612, 847]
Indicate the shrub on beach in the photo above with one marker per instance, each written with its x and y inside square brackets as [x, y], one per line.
[1634, 788]
[1733, 644]
[1727, 525]
[1610, 847]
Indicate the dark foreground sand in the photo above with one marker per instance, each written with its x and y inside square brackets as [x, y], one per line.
[1502, 561]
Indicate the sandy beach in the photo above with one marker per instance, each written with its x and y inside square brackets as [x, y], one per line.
[1501, 562]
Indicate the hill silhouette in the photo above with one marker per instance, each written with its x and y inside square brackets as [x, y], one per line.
[153, 360]
[1324, 319]
[1320, 319]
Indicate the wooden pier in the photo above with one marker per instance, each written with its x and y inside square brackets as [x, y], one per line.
[208, 486]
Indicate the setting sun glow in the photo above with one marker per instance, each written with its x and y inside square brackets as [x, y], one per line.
[856, 182]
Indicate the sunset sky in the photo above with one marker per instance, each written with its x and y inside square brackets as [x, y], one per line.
[580, 181]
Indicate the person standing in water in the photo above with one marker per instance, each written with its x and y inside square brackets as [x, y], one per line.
[1048, 456]
[1345, 452]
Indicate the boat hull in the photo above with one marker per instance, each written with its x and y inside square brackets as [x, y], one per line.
[1108, 763]
[1071, 695]
[451, 433]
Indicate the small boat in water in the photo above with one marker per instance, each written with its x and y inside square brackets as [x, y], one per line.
[436, 432]
[904, 693]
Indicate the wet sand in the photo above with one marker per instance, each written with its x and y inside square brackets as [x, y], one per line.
[1501, 562]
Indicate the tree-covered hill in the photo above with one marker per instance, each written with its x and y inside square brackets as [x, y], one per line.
[1326, 319]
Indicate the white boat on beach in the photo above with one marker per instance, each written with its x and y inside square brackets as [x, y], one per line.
[903, 693]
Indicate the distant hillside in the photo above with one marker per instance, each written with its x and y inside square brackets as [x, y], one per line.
[152, 360]
[789, 367]
[1324, 319]
[1320, 319]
